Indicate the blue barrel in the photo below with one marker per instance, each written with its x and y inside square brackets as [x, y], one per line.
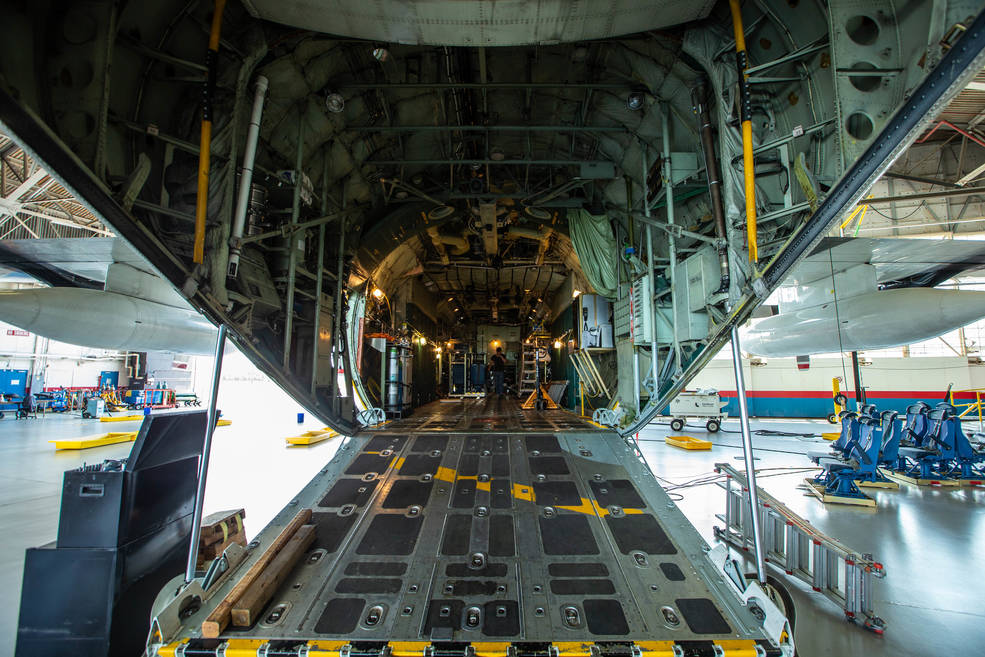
[300, 418]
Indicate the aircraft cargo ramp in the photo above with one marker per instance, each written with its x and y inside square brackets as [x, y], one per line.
[488, 532]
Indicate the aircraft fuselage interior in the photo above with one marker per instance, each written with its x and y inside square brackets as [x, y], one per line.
[375, 198]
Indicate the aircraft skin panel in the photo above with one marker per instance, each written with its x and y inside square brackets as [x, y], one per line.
[106, 320]
[893, 258]
[86, 258]
[546, 528]
[877, 320]
[124, 279]
[478, 22]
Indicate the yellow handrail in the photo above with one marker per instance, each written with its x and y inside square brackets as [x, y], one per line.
[970, 406]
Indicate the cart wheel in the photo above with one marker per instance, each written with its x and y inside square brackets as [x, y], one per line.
[832, 418]
[779, 596]
[713, 426]
[86, 415]
[677, 424]
[841, 399]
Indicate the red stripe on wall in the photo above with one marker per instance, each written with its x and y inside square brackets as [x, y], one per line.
[826, 394]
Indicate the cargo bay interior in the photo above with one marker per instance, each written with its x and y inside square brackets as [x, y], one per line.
[502, 257]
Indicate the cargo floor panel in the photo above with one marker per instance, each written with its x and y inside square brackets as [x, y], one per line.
[523, 535]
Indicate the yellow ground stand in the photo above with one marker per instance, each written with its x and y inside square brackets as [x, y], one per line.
[139, 416]
[688, 442]
[111, 438]
[831, 435]
[121, 418]
[312, 437]
[532, 399]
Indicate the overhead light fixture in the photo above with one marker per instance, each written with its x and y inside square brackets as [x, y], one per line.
[540, 214]
[378, 293]
[440, 212]
[451, 298]
[334, 102]
[634, 101]
[557, 344]
[575, 293]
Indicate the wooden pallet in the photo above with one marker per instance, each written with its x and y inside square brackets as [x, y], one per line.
[818, 491]
[916, 481]
[891, 485]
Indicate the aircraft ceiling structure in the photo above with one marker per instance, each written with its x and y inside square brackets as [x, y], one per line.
[479, 22]
[415, 136]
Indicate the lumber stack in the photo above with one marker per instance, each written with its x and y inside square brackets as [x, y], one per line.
[219, 531]
[246, 600]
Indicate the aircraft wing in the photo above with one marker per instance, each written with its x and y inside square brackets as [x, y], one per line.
[897, 262]
[75, 262]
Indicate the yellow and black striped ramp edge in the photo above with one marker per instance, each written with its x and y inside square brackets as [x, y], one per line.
[254, 647]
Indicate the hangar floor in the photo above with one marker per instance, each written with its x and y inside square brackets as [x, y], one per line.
[933, 598]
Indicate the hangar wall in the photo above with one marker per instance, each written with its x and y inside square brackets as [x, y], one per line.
[64, 365]
[779, 389]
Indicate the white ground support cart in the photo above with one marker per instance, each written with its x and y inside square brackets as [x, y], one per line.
[701, 404]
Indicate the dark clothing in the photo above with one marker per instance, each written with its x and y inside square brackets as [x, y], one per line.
[497, 377]
[497, 363]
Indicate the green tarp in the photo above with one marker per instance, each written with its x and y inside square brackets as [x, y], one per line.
[596, 249]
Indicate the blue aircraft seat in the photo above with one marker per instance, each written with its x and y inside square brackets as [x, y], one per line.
[891, 434]
[916, 425]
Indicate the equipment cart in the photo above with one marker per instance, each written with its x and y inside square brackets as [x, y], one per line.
[698, 404]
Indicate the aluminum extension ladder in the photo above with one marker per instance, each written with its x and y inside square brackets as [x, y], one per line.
[588, 374]
[791, 543]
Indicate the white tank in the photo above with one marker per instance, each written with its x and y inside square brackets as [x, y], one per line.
[875, 320]
[107, 320]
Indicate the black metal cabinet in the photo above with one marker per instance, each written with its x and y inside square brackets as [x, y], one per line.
[123, 533]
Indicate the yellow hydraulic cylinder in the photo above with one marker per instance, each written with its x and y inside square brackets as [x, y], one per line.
[745, 114]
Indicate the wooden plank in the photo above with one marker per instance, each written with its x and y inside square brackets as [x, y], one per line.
[252, 602]
[217, 621]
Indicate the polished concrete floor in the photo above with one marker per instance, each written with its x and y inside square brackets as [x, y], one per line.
[933, 598]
